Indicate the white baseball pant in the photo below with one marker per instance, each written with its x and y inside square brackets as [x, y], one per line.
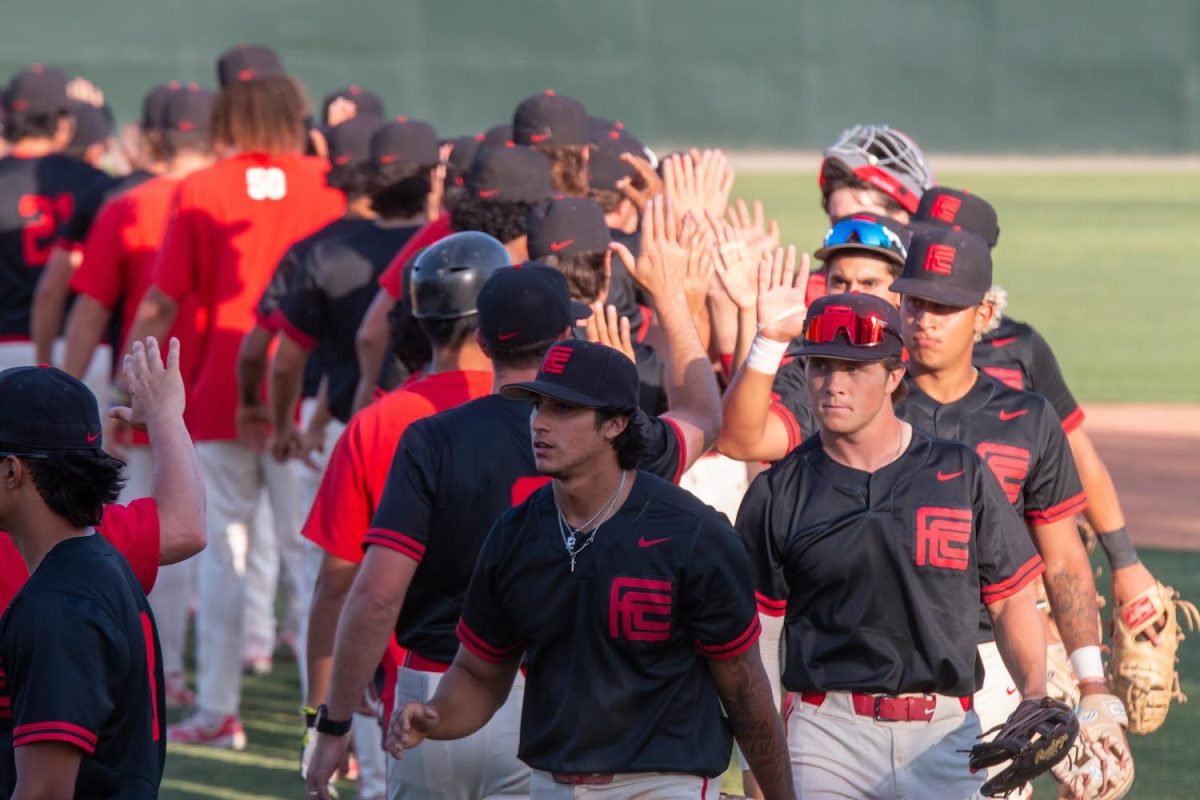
[97, 377]
[628, 786]
[996, 701]
[719, 481]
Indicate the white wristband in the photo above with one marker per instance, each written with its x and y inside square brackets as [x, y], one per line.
[765, 355]
[1087, 663]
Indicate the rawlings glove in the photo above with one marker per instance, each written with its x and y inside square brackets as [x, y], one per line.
[1099, 766]
[1036, 736]
[1141, 672]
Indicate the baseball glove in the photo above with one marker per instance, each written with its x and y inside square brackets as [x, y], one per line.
[1034, 738]
[1099, 765]
[1142, 673]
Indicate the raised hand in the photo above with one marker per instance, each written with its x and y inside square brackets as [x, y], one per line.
[640, 188]
[781, 293]
[607, 328]
[734, 263]
[155, 387]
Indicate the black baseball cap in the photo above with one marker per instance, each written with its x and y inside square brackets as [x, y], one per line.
[154, 104]
[246, 62]
[550, 119]
[366, 103]
[948, 208]
[350, 142]
[842, 326]
[848, 234]
[498, 135]
[409, 141]
[562, 226]
[463, 150]
[610, 140]
[189, 110]
[37, 90]
[46, 410]
[947, 266]
[526, 304]
[93, 124]
[511, 173]
[582, 373]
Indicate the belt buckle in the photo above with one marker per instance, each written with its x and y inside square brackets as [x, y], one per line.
[879, 698]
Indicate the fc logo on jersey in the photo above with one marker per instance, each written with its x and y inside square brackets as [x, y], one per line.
[939, 259]
[1009, 464]
[943, 537]
[639, 610]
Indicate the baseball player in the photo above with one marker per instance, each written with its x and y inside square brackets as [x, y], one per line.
[424, 535]
[629, 603]
[873, 168]
[558, 127]
[81, 713]
[231, 224]
[867, 542]
[1018, 435]
[445, 283]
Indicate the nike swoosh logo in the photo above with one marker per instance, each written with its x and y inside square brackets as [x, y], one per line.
[486, 193]
[1005, 416]
[538, 138]
[92, 437]
[944, 476]
[644, 542]
[558, 247]
[1011, 690]
[504, 337]
[1005, 342]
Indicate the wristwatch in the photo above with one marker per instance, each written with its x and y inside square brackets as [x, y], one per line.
[331, 727]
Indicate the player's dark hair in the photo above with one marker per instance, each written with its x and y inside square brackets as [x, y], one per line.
[608, 199]
[835, 175]
[524, 357]
[399, 189]
[264, 115]
[568, 168]
[450, 332]
[584, 272]
[503, 220]
[77, 484]
[172, 142]
[630, 445]
[452, 192]
[901, 391]
[352, 180]
[407, 339]
[894, 269]
[20, 125]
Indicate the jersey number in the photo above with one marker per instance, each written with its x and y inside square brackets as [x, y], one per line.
[43, 214]
[266, 183]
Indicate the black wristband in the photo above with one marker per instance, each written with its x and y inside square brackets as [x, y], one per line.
[331, 727]
[1118, 547]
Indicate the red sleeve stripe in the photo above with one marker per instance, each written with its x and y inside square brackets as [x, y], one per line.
[1014, 583]
[264, 321]
[404, 545]
[734, 648]
[55, 731]
[489, 653]
[770, 606]
[1054, 513]
[683, 460]
[1073, 420]
[794, 435]
[305, 340]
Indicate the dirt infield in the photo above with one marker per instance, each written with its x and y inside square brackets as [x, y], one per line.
[1153, 453]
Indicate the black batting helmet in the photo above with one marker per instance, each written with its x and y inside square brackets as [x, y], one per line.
[446, 276]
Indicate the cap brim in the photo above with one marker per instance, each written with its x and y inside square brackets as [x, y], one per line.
[952, 296]
[843, 352]
[580, 311]
[563, 394]
[825, 252]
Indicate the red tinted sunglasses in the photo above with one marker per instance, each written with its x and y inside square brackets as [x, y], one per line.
[861, 331]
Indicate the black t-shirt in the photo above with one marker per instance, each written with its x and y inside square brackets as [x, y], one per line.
[329, 293]
[873, 571]
[1019, 357]
[82, 666]
[38, 196]
[616, 652]
[789, 401]
[453, 474]
[75, 231]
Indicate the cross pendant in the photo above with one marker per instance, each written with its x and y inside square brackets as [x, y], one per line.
[572, 562]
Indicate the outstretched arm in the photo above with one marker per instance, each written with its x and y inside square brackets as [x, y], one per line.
[754, 716]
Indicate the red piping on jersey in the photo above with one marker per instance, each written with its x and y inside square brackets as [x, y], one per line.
[265, 321]
[12, 338]
[479, 647]
[1073, 420]
[55, 732]
[790, 425]
[995, 592]
[404, 545]
[305, 340]
[683, 460]
[770, 606]
[741, 644]
[647, 318]
[1067, 508]
[726, 360]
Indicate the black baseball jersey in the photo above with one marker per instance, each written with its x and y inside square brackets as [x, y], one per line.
[82, 666]
[75, 231]
[327, 297]
[1019, 357]
[789, 401]
[453, 474]
[652, 394]
[872, 571]
[616, 652]
[37, 198]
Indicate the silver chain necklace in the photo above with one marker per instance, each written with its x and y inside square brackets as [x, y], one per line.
[570, 535]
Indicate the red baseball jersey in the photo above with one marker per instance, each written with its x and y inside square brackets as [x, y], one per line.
[132, 530]
[231, 224]
[392, 278]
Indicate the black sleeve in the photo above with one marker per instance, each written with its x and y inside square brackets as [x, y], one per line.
[652, 397]
[719, 594]
[1053, 489]
[485, 628]
[1046, 379]
[62, 675]
[789, 402]
[87, 206]
[277, 287]
[401, 521]
[664, 440]
[1004, 550]
[755, 528]
[304, 307]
